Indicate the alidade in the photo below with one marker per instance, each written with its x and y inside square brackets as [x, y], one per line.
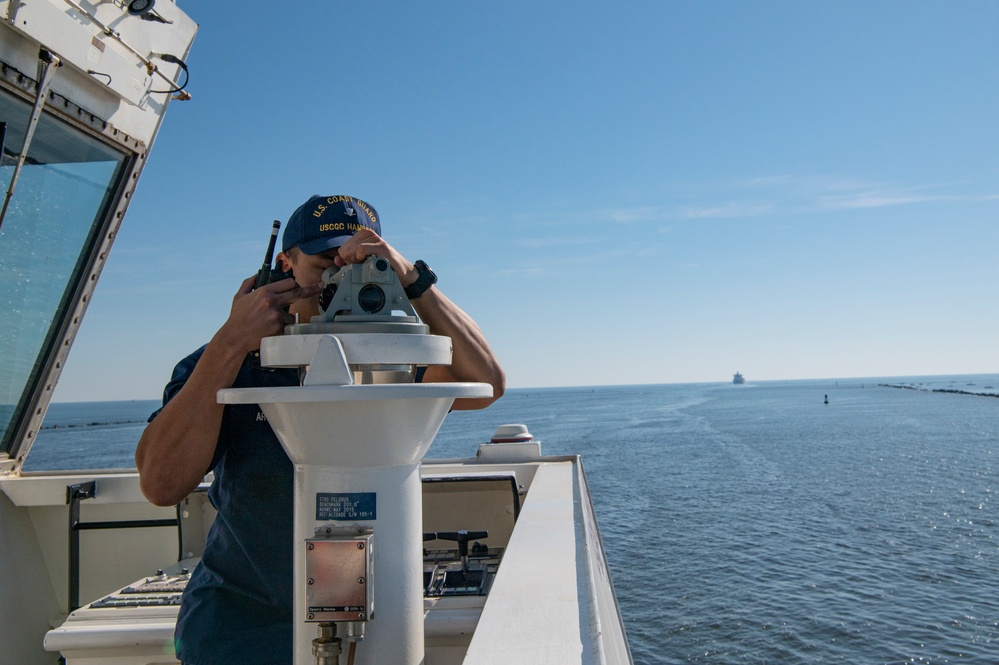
[365, 307]
[362, 292]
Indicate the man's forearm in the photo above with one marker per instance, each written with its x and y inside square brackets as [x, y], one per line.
[472, 359]
[177, 447]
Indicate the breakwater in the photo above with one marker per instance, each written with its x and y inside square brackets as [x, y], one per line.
[953, 391]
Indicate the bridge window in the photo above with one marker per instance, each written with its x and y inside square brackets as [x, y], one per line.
[64, 196]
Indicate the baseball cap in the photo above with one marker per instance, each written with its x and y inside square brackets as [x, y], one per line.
[325, 222]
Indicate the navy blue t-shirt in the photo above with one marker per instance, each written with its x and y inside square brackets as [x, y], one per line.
[238, 605]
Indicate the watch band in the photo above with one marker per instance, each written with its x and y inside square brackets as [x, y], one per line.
[424, 281]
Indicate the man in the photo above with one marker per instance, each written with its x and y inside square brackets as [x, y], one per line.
[238, 605]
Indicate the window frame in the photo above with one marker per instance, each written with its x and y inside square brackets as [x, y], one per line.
[29, 412]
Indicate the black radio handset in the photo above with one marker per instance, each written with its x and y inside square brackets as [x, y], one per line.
[264, 274]
[269, 274]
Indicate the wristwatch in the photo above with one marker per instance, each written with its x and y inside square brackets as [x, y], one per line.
[426, 279]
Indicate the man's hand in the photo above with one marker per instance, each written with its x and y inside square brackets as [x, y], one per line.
[360, 246]
[367, 243]
[259, 313]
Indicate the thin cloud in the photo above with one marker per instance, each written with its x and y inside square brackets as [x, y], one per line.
[728, 210]
[544, 243]
[786, 194]
[883, 199]
[870, 200]
[761, 197]
[635, 214]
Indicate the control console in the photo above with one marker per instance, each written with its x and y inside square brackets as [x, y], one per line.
[157, 591]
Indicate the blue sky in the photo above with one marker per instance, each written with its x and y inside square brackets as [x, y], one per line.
[644, 192]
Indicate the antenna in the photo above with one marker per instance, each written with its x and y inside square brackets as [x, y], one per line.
[264, 274]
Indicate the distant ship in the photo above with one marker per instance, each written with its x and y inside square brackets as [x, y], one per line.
[738, 379]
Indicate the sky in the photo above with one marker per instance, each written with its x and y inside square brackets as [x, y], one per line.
[618, 193]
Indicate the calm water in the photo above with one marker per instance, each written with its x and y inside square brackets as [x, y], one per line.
[755, 523]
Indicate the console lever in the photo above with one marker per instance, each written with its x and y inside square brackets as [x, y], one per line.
[462, 537]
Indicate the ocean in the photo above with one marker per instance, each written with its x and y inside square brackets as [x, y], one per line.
[825, 521]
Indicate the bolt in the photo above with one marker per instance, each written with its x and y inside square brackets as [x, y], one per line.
[311, 546]
[360, 580]
[311, 581]
[360, 546]
[361, 616]
[311, 615]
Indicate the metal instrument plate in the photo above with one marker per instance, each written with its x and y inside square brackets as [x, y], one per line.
[338, 572]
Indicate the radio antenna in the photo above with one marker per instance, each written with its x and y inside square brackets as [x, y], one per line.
[263, 277]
